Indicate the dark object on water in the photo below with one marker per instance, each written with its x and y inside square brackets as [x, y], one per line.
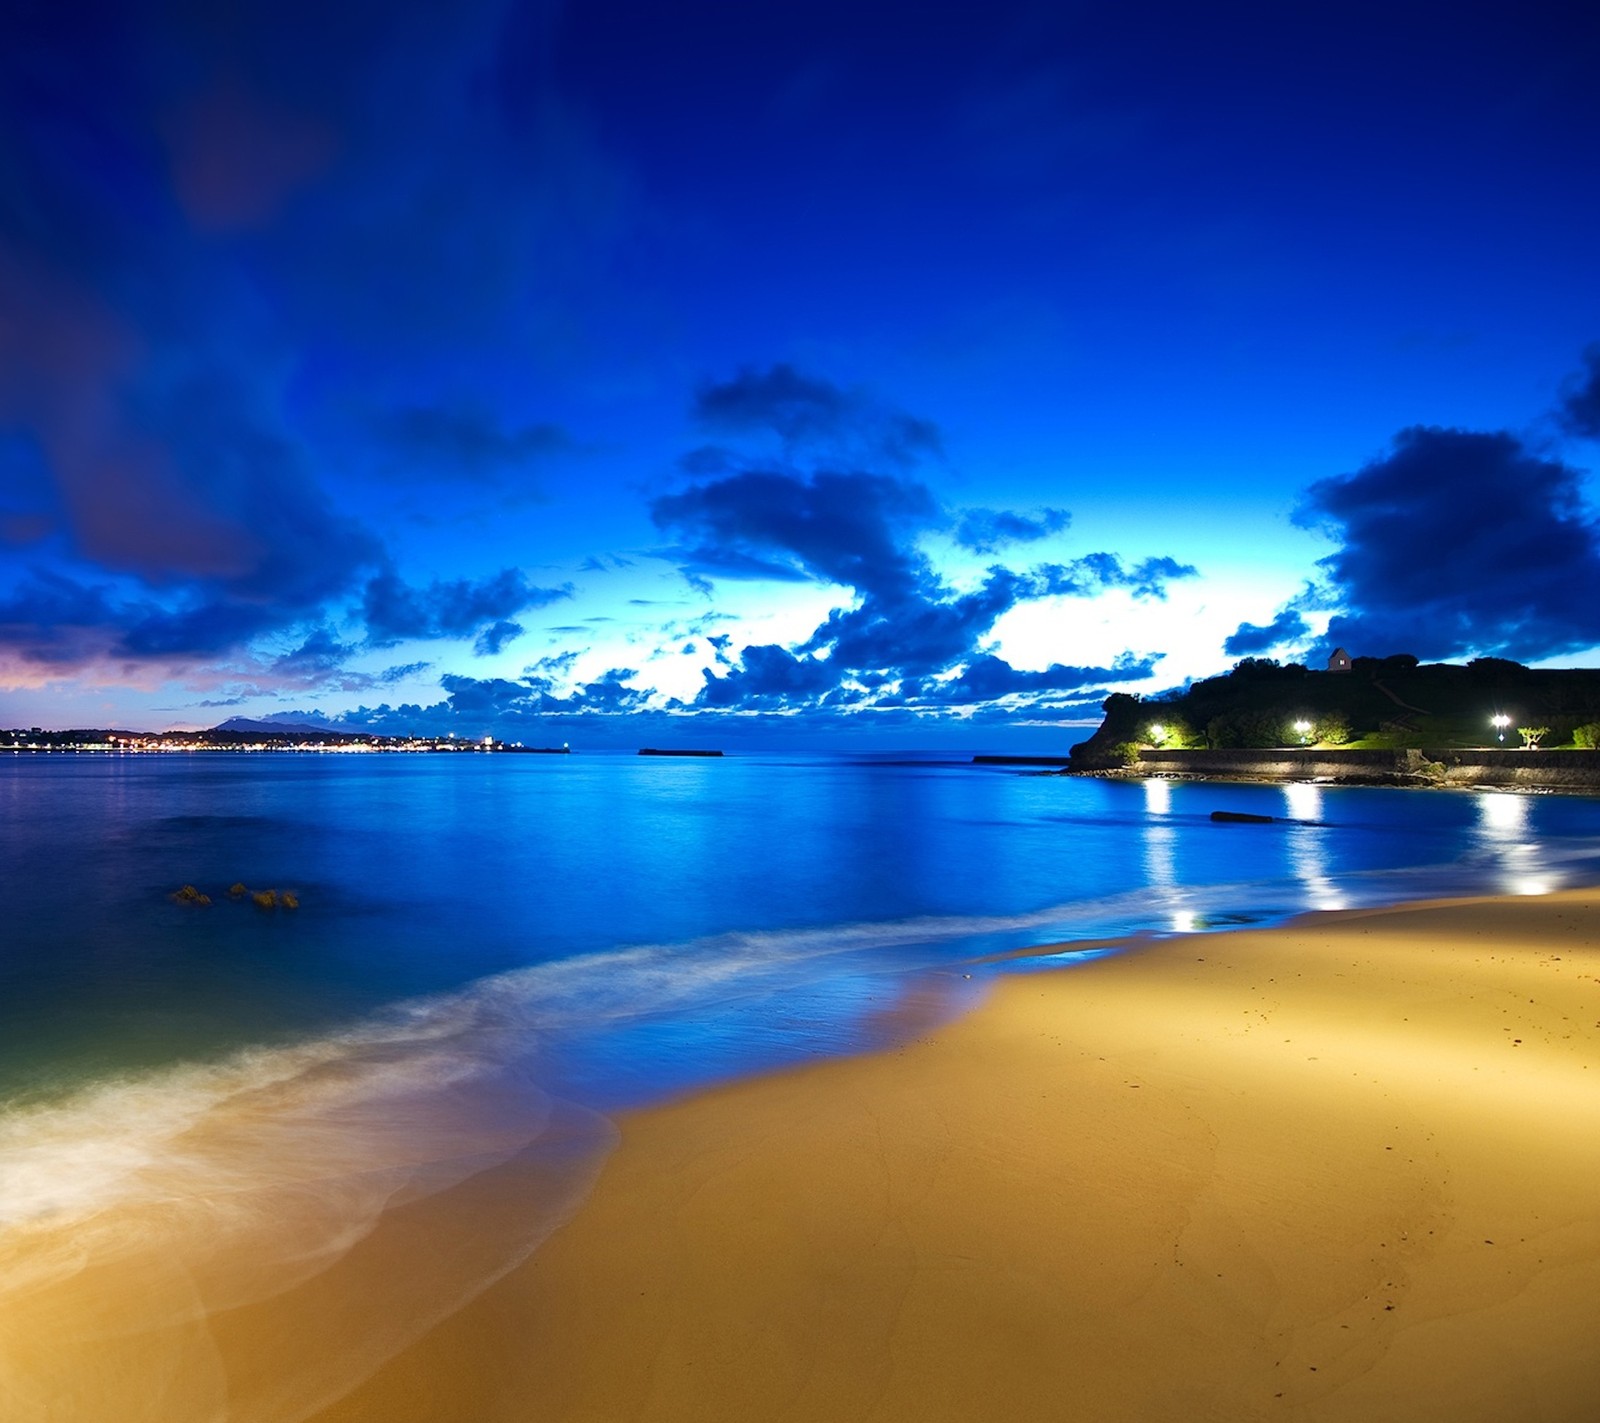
[654, 751]
[189, 895]
[1021, 760]
[1239, 817]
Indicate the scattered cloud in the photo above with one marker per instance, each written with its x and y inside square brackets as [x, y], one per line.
[495, 636]
[464, 442]
[808, 412]
[1579, 411]
[989, 530]
[1459, 542]
[394, 609]
[1249, 639]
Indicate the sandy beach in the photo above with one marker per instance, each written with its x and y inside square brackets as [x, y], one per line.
[1347, 1169]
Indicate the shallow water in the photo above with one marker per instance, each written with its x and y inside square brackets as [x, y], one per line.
[491, 950]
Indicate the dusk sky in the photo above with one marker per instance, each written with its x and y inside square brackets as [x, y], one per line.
[875, 374]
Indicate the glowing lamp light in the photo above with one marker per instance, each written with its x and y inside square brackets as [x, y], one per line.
[1158, 733]
[1500, 722]
[1304, 728]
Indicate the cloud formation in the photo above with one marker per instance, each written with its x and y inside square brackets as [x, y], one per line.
[394, 609]
[810, 412]
[1459, 542]
[1579, 411]
[1249, 639]
[989, 530]
[907, 637]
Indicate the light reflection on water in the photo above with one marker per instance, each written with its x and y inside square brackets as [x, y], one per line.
[1505, 827]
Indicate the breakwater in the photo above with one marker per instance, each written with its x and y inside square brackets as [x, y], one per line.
[1445, 766]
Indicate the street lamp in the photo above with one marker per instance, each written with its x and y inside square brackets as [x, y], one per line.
[1158, 733]
[1303, 727]
[1500, 722]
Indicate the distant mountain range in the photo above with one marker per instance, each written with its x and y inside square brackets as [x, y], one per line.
[278, 724]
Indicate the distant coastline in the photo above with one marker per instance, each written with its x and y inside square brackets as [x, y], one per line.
[104, 742]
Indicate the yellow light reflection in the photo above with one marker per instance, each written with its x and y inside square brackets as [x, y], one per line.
[1304, 800]
[1501, 815]
[1157, 797]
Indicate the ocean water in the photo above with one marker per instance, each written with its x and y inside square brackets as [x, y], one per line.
[493, 953]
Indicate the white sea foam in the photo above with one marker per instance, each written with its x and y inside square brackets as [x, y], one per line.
[140, 1216]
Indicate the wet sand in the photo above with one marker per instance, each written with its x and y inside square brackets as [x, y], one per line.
[1348, 1169]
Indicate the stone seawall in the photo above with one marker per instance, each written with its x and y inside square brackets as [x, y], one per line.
[1532, 770]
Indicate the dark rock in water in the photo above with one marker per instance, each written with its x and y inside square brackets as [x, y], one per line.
[1239, 817]
[655, 751]
[189, 895]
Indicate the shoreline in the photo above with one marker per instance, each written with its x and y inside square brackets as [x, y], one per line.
[1570, 771]
[1335, 1169]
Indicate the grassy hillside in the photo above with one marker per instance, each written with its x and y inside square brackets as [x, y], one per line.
[1383, 703]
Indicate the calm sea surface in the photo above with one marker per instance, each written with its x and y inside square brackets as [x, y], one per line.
[664, 920]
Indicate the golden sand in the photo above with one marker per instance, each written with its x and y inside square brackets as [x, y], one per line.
[1347, 1169]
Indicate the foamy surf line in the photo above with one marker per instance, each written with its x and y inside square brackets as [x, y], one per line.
[142, 1218]
[372, 1099]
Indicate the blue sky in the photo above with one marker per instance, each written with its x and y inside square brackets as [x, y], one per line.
[883, 373]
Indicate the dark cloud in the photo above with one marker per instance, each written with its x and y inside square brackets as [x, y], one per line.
[395, 609]
[1579, 411]
[1098, 572]
[987, 530]
[769, 677]
[849, 529]
[604, 563]
[1251, 638]
[987, 678]
[504, 701]
[320, 652]
[495, 636]
[1459, 542]
[50, 618]
[469, 443]
[402, 671]
[546, 669]
[807, 411]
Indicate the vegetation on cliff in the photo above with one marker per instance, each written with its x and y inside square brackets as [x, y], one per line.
[1386, 703]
